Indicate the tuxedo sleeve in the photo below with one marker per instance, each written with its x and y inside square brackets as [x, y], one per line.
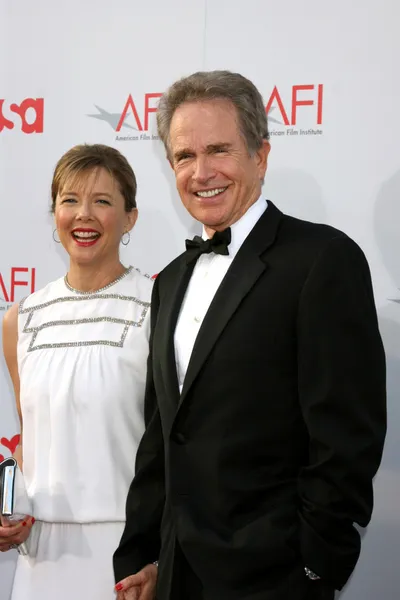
[342, 392]
[140, 542]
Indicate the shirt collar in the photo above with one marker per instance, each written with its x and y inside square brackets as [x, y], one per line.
[241, 229]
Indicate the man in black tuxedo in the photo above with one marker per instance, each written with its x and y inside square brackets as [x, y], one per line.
[265, 401]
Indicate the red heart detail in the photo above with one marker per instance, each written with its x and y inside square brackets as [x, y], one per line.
[10, 444]
[1, 458]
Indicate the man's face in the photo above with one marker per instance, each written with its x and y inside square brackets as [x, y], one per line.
[216, 177]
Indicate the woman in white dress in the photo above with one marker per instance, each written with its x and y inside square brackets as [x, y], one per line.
[76, 351]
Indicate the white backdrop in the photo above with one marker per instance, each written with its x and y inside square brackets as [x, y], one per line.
[329, 77]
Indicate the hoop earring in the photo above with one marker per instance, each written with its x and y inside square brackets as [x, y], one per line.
[54, 237]
[129, 238]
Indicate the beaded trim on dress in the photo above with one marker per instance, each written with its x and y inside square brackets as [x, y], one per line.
[124, 274]
[79, 297]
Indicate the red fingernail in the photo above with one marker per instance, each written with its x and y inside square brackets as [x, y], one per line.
[119, 587]
[33, 520]
[23, 524]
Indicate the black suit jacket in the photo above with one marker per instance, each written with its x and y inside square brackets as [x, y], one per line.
[265, 462]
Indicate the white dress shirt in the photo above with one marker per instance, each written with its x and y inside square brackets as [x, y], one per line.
[206, 278]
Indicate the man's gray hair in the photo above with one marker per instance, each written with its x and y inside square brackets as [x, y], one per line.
[212, 85]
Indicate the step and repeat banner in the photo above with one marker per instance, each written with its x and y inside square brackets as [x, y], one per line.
[93, 71]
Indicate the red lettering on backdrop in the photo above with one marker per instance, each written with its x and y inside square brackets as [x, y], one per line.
[37, 104]
[3, 289]
[129, 105]
[33, 280]
[14, 282]
[148, 109]
[296, 102]
[3, 121]
[275, 96]
[320, 94]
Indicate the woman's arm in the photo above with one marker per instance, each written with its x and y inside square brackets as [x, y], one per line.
[13, 534]
[10, 339]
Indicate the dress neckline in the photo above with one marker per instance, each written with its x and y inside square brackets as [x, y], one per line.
[106, 287]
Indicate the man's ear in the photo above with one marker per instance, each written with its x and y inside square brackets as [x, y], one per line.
[261, 157]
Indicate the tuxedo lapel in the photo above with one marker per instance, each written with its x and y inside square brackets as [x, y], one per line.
[168, 320]
[243, 273]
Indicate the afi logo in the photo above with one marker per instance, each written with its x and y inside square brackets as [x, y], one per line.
[131, 106]
[314, 97]
[30, 112]
[140, 112]
[17, 277]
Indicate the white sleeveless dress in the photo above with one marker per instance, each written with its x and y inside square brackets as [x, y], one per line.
[82, 367]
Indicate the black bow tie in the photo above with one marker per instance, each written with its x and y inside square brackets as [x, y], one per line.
[218, 243]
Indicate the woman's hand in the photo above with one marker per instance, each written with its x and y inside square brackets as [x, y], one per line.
[141, 586]
[14, 533]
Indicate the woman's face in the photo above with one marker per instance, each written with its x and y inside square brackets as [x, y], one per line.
[90, 217]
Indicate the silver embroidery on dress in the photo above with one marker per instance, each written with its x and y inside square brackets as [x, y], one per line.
[124, 274]
[92, 296]
[83, 296]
